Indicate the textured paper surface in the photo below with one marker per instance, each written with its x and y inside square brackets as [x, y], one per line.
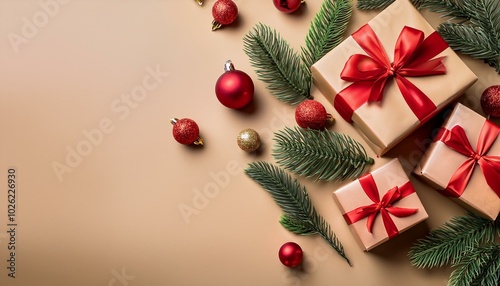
[386, 123]
[440, 163]
[353, 196]
[141, 209]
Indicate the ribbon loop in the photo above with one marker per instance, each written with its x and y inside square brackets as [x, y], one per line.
[369, 73]
[457, 140]
[383, 206]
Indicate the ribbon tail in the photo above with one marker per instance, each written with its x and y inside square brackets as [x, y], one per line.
[389, 225]
[419, 103]
[401, 212]
[490, 166]
[460, 179]
[351, 98]
[370, 221]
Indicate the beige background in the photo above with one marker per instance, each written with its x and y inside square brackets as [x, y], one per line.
[116, 218]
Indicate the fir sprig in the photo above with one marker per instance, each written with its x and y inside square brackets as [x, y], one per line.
[286, 73]
[326, 30]
[483, 16]
[481, 266]
[325, 155]
[300, 216]
[277, 64]
[381, 4]
[466, 243]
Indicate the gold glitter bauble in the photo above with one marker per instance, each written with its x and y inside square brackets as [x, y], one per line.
[248, 140]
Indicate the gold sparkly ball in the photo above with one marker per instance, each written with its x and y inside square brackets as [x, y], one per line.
[248, 140]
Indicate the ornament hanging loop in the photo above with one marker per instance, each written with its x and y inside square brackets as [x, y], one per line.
[228, 66]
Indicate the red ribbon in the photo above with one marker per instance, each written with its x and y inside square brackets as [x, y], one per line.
[457, 140]
[370, 73]
[384, 206]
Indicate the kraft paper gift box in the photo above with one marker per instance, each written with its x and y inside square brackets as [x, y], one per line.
[392, 79]
[463, 162]
[386, 198]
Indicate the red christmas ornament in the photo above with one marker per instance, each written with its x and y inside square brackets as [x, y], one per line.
[234, 88]
[288, 6]
[186, 131]
[490, 101]
[290, 254]
[224, 13]
[312, 114]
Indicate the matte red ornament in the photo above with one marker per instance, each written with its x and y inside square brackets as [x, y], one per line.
[288, 6]
[490, 101]
[234, 88]
[312, 114]
[224, 13]
[186, 131]
[290, 254]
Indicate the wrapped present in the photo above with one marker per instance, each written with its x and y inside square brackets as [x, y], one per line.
[463, 162]
[380, 205]
[391, 76]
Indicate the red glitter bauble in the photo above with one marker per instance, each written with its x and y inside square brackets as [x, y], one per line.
[287, 6]
[224, 13]
[290, 254]
[186, 131]
[234, 88]
[311, 114]
[490, 101]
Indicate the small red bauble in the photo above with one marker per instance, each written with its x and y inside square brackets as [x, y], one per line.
[234, 88]
[490, 101]
[290, 254]
[312, 114]
[186, 131]
[287, 6]
[224, 13]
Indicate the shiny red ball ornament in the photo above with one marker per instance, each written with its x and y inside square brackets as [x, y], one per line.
[490, 101]
[186, 131]
[288, 6]
[312, 114]
[290, 254]
[224, 13]
[234, 88]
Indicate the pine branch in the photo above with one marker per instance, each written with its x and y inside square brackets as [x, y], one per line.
[480, 266]
[452, 9]
[324, 154]
[296, 226]
[381, 4]
[293, 200]
[326, 30]
[277, 64]
[470, 40]
[448, 243]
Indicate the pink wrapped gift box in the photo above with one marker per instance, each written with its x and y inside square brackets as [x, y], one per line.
[380, 205]
[391, 76]
[463, 162]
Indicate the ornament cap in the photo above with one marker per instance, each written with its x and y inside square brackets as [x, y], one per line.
[228, 66]
[330, 119]
[215, 25]
[198, 142]
[200, 2]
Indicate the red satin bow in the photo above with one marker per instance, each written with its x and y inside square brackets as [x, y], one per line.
[457, 140]
[369, 73]
[384, 206]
